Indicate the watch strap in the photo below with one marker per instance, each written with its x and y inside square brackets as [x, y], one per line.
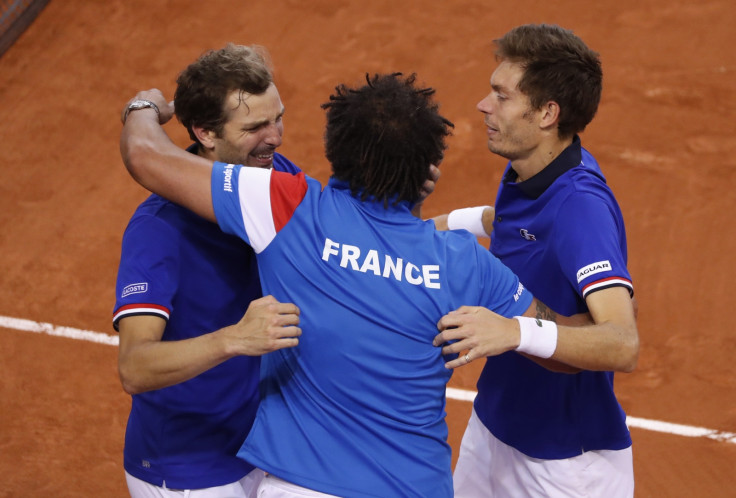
[140, 104]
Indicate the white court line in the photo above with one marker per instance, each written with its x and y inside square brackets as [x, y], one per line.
[639, 423]
[452, 393]
[47, 328]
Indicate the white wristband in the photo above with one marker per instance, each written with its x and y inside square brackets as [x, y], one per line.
[538, 337]
[470, 219]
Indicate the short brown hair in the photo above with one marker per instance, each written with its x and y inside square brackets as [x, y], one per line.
[202, 88]
[558, 66]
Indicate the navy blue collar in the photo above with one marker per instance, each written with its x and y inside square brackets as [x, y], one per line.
[535, 186]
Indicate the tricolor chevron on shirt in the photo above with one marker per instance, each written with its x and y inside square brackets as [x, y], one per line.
[267, 205]
[139, 309]
[606, 283]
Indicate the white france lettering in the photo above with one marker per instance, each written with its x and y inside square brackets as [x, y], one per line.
[431, 273]
[371, 263]
[330, 249]
[350, 255]
[409, 277]
[393, 268]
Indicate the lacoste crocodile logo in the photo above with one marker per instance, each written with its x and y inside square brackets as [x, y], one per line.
[525, 233]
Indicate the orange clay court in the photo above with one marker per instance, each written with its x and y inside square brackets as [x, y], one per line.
[665, 136]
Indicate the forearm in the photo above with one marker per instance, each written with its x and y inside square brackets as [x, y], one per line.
[603, 346]
[610, 343]
[606, 339]
[159, 165]
[144, 147]
[440, 222]
[489, 213]
[157, 364]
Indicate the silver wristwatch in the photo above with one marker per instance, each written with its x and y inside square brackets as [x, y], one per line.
[140, 104]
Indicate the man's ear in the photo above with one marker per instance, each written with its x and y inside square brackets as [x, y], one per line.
[550, 114]
[205, 137]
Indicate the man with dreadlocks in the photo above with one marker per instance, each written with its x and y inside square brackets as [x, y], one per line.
[357, 408]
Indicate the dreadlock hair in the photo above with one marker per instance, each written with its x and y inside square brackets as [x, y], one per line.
[381, 138]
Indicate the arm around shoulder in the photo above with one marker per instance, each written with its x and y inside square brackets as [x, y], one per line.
[160, 166]
[605, 340]
[609, 343]
[146, 363]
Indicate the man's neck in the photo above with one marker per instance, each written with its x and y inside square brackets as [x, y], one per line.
[540, 158]
[207, 154]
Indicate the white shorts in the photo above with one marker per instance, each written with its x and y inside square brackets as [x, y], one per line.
[489, 468]
[273, 487]
[244, 488]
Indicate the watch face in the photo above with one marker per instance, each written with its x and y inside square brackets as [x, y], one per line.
[139, 104]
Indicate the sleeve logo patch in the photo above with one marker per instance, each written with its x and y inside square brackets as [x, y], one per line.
[519, 292]
[139, 288]
[227, 184]
[592, 269]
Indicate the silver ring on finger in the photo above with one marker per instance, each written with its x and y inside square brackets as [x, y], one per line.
[467, 358]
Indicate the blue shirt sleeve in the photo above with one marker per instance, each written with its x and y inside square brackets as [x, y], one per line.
[503, 292]
[592, 250]
[483, 280]
[226, 199]
[149, 265]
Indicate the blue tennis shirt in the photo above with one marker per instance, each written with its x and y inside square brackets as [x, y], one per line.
[358, 407]
[184, 269]
[562, 233]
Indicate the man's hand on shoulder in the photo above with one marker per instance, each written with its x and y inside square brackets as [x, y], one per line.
[267, 325]
[427, 188]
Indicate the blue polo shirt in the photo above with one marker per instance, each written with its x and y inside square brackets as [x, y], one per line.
[358, 408]
[184, 269]
[562, 233]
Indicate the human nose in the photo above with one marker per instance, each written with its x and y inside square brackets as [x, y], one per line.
[484, 105]
[274, 133]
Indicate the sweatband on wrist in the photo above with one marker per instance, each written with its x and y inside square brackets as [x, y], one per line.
[538, 337]
[470, 219]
